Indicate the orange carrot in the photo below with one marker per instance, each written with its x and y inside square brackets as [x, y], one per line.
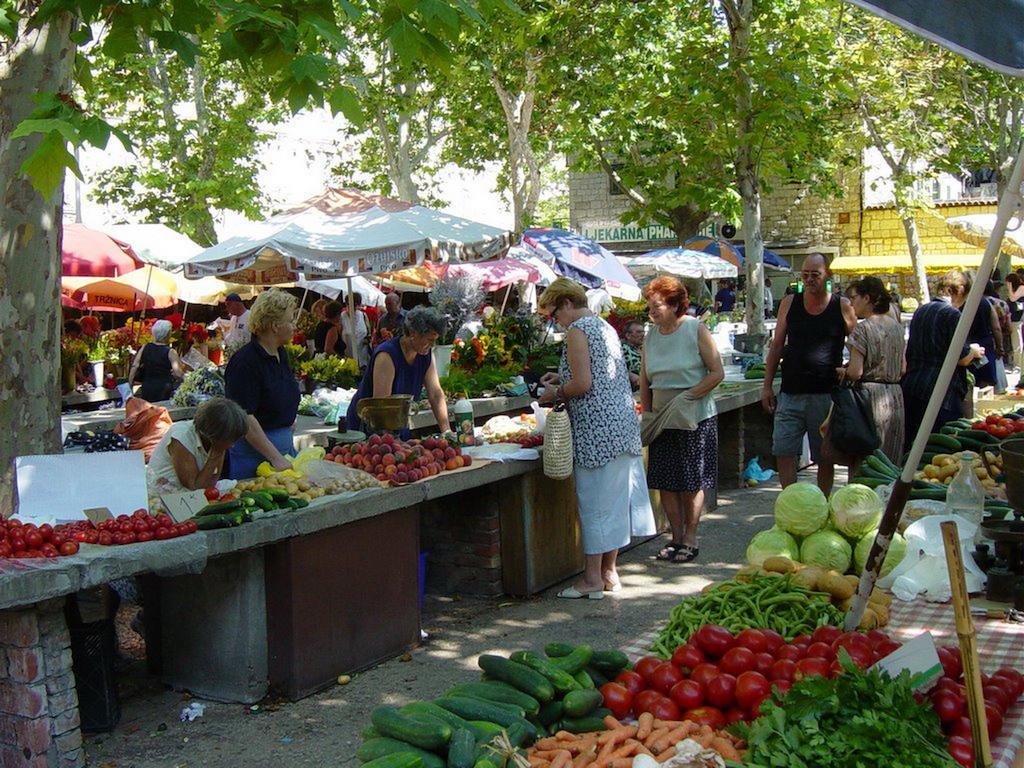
[563, 760]
[583, 745]
[676, 734]
[627, 749]
[617, 735]
[611, 723]
[670, 752]
[725, 748]
[551, 742]
[538, 762]
[565, 736]
[642, 750]
[646, 721]
[585, 759]
[622, 762]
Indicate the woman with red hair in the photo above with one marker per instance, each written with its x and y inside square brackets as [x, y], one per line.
[680, 369]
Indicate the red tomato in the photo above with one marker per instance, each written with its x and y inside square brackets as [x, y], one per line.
[763, 663]
[665, 709]
[994, 718]
[826, 634]
[163, 533]
[617, 698]
[948, 706]
[69, 548]
[781, 687]
[46, 531]
[992, 418]
[737, 660]
[949, 657]
[17, 544]
[751, 689]
[721, 692]
[997, 694]
[190, 526]
[33, 539]
[664, 676]
[820, 651]
[704, 673]
[104, 539]
[774, 640]
[949, 684]
[961, 728]
[646, 666]
[1015, 677]
[49, 550]
[861, 656]
[735, 715]
[713, 640]
[686, 657]
[709, 716]
[876, 636]
[851, 639]
[783, 669]
[789, 653]
[632, 681]
[752, 639]
[801, 640]
[810, 668]
[227, 497]
[688, 694]
[961, 751]
[145, 536]
[886, 647]
[643, 701]
[5, 549]
[212, 494]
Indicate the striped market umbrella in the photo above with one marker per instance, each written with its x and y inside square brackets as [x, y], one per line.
[716, 247]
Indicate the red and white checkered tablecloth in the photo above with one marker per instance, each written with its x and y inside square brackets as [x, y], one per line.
[1000, 644]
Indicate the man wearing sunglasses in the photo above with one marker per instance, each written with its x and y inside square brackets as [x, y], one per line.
[810, 332]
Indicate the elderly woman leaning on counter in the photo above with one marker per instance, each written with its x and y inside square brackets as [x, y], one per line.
[260, 380]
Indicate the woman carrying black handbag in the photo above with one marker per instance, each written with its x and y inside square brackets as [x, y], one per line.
[876, 365]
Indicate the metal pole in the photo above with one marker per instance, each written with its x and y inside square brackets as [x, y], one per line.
[352, 317]
[1009, 203]
[145, 300]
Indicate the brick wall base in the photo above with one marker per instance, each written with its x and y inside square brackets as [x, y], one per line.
[462, 533]
[39, 723]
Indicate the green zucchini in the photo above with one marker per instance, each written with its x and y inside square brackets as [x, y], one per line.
[407, 759]
[581, 703]
[561, 680]
[597, 676]
[427, 710]
[475, 709]
[372, 749]
[495, 690]
[520, 676]
[430, 736]
[589, 724]
[551, 712]
[219, 508]
[583, 679]
[609, 662]
[557, 650]
[462, 749]
[575, 661]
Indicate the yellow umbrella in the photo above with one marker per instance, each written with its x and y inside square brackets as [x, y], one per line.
[977, 227]
[899, 264]
[145, 288]
[417, 278]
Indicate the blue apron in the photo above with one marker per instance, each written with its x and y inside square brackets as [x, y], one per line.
[243, 458]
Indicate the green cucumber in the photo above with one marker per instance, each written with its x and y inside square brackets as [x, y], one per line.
[980, 436]
[926, 485]
[522, 733]
[599, 677]
[369, 732]
[277, 494]
[870, 482]
[589, 724]
[219, 508]
[407, 759]
[977, 446]
[495, 690]
[430, 736]
[462, 749]
[609, 662]
[426, 710]
[300, 502]
[489, 729]
[945, 441]
[557, 650]
[930, 494]
[372, 749]
[583, 679]
[581, 703]
[226, 520]
[488, 708]
[561, 680]
[520, 676]
[575, 661]
[880, 467]
[475, 709]
[485, 762]
[551, 712]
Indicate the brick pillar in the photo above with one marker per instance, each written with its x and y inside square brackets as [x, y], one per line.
[39, 725]
[462, 533]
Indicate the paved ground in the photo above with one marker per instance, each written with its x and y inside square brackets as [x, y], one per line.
[323, 730]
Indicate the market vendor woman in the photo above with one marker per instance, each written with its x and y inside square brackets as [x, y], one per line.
[260, 380]
[404, 366]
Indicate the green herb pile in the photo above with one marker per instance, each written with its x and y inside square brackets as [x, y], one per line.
[763, 602]
[856, 720]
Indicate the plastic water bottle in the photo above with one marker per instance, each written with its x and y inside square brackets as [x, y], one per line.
[965, 495]
[463, 412]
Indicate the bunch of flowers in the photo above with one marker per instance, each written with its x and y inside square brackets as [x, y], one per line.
[296, 353]
[120, 346]
[199, 386]
[468, 355]
[333, 371]
[90, 325]
[299, 339]
[305, 323]
[456, 297]
[72, 351]
[196, 333]
[141, 331]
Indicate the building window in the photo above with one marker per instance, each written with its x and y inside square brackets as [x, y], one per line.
[614, 188]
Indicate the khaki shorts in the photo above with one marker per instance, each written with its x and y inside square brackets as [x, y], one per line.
[796, 416]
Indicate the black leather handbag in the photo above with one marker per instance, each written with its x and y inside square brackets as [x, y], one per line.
[852, 424]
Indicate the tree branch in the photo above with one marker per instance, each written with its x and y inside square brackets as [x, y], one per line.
[602, 158]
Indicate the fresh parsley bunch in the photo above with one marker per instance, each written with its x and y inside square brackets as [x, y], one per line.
[856, 720]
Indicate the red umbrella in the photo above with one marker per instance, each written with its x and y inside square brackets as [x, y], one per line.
[88, 253]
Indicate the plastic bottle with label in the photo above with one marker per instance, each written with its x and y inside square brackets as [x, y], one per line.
[462, 413]
[965, 495]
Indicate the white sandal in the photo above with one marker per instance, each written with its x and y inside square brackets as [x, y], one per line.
[571, 593]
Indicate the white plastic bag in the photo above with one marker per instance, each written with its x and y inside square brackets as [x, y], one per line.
[923, 569]
[541, 414]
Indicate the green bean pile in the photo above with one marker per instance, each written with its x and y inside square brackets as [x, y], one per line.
[763, 602]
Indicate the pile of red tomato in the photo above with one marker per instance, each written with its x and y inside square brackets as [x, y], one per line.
[1001, 691]
[999, 426]
[26, 540]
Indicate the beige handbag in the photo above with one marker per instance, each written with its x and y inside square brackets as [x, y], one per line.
[558, 444]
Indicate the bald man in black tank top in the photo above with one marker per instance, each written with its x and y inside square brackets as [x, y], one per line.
[809, 336]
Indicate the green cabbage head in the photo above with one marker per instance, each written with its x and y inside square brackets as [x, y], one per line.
[897, 550]
[774, 542]
[826, 549]
[801, 509]
[856, 509]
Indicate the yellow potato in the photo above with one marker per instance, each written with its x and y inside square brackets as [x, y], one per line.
[880, 597]
[869, 620]
[835, 585]
[932, 470]
[781, 564]
[808, 577]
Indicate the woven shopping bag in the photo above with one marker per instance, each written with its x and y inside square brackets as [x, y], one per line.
[558, 444]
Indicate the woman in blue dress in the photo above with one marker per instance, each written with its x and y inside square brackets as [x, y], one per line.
[404, 366]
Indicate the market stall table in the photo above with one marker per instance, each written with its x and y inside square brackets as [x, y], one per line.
[89, 401]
